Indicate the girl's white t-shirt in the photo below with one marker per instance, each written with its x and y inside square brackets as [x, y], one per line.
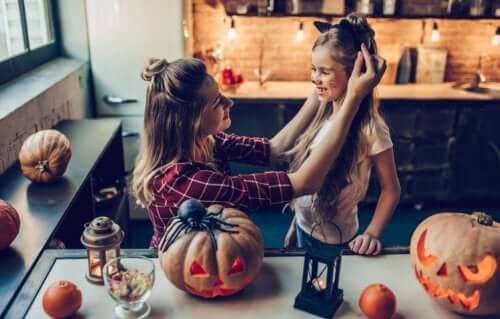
[378, 139]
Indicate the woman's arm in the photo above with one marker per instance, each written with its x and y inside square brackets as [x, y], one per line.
[368, 243]
[287, 136]
[312, 173]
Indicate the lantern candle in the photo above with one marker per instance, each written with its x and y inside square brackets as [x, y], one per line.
[320, 295]
[102, 238]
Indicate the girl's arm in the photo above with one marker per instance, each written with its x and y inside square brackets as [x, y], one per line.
[312, 173]
[368, 243]
[287, 136]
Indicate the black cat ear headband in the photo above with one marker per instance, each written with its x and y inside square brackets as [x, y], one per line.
[344, 25]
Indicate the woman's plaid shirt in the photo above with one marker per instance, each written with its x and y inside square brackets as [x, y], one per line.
[178, 182]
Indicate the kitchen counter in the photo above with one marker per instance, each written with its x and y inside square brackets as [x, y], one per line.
[299, 90]
[270, 295]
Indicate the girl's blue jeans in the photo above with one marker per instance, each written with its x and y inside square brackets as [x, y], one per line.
[304, 239]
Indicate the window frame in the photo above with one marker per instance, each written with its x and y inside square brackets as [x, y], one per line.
[26, 61]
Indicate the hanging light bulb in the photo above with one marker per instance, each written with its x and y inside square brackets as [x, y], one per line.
[496, 38]
[185, 29]
[231, 34]
[299, 36]
[435, 32]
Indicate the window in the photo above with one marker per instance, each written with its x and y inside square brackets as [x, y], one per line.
[27, 36]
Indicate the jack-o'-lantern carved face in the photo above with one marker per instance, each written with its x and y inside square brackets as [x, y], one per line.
[213, 254]
[455, 258]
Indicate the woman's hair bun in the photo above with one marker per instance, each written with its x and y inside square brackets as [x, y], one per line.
[154, 67]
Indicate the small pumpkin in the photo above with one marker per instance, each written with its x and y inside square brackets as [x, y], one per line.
[62, 299]
[44, 156]
[377, 301]
[455, 257]
[211, 253]
[9, 224]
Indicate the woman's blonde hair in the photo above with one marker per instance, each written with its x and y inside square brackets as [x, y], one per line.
[172, 118]
[343, 41]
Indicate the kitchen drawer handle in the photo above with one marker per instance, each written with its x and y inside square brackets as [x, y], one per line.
[114, 100]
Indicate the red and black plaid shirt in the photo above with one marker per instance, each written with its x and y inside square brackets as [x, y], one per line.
[178, 182]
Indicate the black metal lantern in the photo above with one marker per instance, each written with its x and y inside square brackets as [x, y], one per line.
[102, 238]
[320, 293]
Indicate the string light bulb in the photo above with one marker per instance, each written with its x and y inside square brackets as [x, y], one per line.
[185, 30]
[232, 34]
[435, 32]
[299, 36]
[496, 38]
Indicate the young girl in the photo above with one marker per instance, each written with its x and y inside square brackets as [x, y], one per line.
[185, 153]
[330, 215]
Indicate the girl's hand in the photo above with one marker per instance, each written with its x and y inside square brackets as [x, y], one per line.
[361, 83]
[291, 236]
[366, 244]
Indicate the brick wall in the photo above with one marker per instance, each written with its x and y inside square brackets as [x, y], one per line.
[465, 40]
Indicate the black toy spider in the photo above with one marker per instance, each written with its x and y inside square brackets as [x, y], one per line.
[192, 215]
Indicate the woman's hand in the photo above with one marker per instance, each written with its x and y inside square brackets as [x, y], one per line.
[291, 236]
[366, 244]
[361, 83]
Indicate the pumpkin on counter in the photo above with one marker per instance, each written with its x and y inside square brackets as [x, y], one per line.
[62, 299]
[210, 253]
[455, 258]
[44, 156]
[9, 224]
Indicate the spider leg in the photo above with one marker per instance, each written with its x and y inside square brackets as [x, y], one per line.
[221, 228]
[211, 233]
[175, 235]
[220, 221]
[218, 212]
[179, 231]
[174, 225]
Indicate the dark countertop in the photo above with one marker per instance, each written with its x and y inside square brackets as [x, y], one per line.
[42, 207]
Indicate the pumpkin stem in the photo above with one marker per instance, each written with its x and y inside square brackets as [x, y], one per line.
[42, 166]
[483, 218]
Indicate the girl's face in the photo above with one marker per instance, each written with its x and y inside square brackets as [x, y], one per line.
[215, 117]
[329, 77]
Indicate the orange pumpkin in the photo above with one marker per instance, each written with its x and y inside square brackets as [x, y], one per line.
[455, 257]
[9, 224]
[44, 156]
[62, 299]
[377, 302]
[211, 253]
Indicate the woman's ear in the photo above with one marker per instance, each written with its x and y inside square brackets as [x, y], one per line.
[322, 26]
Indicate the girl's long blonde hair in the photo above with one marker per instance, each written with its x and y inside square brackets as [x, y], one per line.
[343, 41]
[172, 117]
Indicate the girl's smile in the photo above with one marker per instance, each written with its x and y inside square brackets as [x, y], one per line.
[328, 76]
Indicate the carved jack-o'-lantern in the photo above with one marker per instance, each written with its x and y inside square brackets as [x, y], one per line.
[455, 257]
[211, 253]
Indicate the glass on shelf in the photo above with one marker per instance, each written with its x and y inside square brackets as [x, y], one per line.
[129, 281]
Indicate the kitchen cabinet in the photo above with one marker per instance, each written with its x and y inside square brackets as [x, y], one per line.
[402, 9]
[445, 150]
[257, 118]
[477, 155]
